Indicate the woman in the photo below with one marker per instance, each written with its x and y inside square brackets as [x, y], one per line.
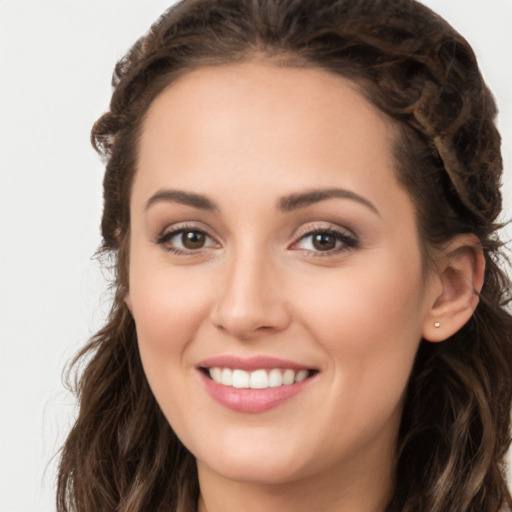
[301, 202]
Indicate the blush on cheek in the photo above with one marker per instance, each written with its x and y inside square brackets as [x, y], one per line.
[164, 309]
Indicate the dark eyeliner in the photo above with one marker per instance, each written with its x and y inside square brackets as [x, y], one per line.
[348, 242]
[163, 239]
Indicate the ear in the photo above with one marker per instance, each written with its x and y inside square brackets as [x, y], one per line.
[460, 277]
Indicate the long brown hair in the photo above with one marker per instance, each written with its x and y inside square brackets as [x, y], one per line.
[121, 453]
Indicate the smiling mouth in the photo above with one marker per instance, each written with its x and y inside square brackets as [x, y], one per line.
[257, 379]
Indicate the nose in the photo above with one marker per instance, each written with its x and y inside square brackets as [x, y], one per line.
[250, 301]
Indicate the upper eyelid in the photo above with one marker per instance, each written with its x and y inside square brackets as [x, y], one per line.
[301, 231]
[327, 227]
[347, 236]
[184, 226]
[169, 232]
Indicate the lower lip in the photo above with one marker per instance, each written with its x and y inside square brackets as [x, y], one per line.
[252, 400]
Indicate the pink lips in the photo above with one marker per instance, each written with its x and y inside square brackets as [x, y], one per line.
[251, 400]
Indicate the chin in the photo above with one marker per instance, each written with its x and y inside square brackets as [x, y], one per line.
[254, 461]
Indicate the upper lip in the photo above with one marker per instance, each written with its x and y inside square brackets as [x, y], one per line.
[251, 363]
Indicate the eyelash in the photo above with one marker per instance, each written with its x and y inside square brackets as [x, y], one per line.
[347, 241]
[164, 239]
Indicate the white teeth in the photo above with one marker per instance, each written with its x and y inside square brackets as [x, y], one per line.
[288, 377]
[258, 379]
[301, 375]
[226, 377]
[275, 378]
[216, 374]
[240, 379]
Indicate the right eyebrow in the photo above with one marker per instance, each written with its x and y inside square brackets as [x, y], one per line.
[305, 199]
[182, 197]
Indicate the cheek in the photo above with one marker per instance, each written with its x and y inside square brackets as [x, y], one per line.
[367, 316]
[371, 303]
[168, 306]
[168, 312]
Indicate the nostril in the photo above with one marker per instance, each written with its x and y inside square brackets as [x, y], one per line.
[249, 303]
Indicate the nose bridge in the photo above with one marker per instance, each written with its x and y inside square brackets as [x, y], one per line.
[249, 301]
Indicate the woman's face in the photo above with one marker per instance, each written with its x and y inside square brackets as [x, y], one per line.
[273, 247]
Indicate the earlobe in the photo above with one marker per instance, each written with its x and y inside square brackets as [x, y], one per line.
[461, 276]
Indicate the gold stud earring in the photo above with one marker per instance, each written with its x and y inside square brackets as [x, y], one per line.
[437, 325]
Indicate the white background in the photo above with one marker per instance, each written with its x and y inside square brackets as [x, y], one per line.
[56, 59]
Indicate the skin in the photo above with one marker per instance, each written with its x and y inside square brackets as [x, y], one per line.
[244, 136]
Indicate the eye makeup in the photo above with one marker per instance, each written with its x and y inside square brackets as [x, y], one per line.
[318, 240]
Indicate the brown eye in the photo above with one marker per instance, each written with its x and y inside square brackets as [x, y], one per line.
[324, 241]
[193, 239]
[186, 241]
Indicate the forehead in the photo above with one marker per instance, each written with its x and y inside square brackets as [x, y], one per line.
[313, 94]
[297, 109]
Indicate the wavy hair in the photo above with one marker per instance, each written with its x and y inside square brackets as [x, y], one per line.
[122, 454]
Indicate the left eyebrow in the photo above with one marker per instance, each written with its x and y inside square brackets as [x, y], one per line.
[302, 200]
